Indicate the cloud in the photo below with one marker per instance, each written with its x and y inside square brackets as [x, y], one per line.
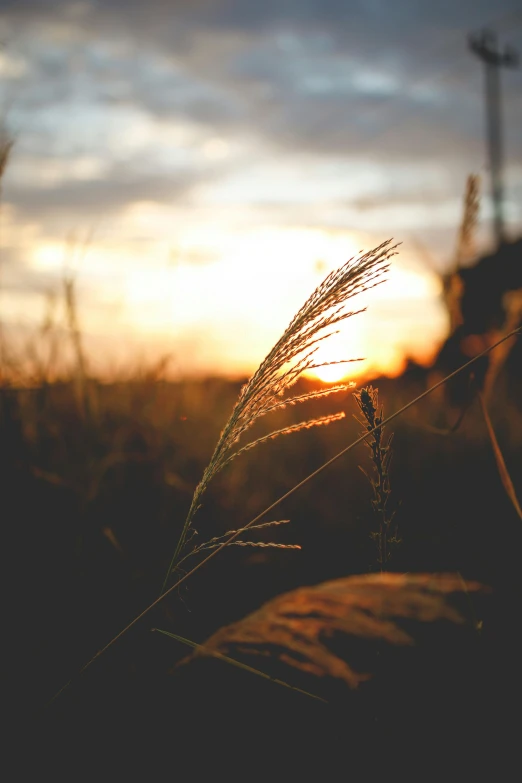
[361, 81]
[98, 196]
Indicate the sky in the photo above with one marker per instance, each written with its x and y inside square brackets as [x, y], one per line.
[200, 166]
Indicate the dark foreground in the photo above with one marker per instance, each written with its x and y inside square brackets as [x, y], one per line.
[90, 515]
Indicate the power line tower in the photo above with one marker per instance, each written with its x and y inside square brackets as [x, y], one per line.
[485, 46]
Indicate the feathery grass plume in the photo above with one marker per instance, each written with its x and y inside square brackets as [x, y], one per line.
[466, 238]
[368, 401]
[453, 286]
[292, 355]
[320, 637]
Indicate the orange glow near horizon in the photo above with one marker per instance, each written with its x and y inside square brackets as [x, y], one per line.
[221, 315]
[333, 373]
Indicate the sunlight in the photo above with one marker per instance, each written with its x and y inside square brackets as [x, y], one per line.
[48, 256]
[342, 349]
[236, 302]
[333, 373]
[404, 284]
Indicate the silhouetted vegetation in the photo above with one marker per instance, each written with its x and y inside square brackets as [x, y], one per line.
[93, 508]
[101, 484]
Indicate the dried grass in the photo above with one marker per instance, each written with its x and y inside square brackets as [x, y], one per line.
[292, 355]
[453, 286]
[466, 237]
[499, 459]
[343, 631]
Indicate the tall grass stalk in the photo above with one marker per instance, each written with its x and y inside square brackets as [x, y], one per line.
[371, 420]
[465, 248]
[499, 458]
[6, 145]
[80, 363]
[466, 237]
[238, 664]
[293, 354]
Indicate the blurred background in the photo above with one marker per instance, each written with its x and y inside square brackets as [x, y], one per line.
[199, 167]
[177, 178]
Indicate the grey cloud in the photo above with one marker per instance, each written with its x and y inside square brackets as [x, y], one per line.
[97, 197]
[267, 81]
[394, 196]
[244, 68]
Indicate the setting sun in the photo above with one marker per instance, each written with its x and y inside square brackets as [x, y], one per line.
[331, 373]
[256, 278]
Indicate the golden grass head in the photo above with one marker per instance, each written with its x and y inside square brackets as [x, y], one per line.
[292, 355]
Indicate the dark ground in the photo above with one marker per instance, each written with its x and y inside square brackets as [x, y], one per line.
[71, 585]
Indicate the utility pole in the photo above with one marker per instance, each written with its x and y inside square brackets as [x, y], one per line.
[485, 46]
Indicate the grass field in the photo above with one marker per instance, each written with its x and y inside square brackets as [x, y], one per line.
[366, 659]
[97, 485]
